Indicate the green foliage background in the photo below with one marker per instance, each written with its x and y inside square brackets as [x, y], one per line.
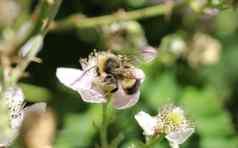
[208, 93]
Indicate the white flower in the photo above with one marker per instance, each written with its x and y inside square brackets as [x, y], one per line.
[15, 101]
[205, 50]
[170, 121]
[101, 77]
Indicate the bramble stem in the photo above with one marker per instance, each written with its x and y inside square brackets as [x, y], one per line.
[42, 16]
[116, 141]
[152, 141]
[45, 14]
[78, 21]
[174, 145]
[103, 130]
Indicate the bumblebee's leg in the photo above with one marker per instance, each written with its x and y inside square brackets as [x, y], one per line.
[84, 73]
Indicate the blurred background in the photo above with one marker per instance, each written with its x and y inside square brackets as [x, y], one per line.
[196, 67]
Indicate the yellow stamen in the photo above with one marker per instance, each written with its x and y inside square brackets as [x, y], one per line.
[175, 118]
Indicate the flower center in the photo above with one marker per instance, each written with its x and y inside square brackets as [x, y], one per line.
[174, 118]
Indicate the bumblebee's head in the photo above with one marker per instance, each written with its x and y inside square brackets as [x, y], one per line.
[107, 63]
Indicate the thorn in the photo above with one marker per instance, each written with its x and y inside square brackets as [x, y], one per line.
[37, 60]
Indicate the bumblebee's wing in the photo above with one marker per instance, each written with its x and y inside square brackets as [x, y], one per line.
[80, 81]
[180, 136]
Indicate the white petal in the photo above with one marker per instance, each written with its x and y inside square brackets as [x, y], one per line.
[146, 122]
[89, 62]
[180, 136]
[121, 100]
[17, 120]
[138, 74]
[15, 99]
[179, 111]
[69, 77]
[37, 107]
[19, 116]
[14, 95]
[91, 96]
[81, 82]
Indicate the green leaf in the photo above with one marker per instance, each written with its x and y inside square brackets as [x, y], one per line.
[79, 129]
[216, 126]
[35, 93]
[201, 102]
[214, 142]
[160, 90]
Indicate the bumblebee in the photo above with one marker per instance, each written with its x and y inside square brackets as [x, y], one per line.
[113, 71]
[104, 75]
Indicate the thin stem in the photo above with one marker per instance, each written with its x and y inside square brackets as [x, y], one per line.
[78, 21]
[174, 145]
[45, 15]
[116, 141]
[103, 130]
[19, 70]
[152, 141]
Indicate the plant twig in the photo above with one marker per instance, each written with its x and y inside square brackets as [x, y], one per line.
[116, 141]
[174, 145]
[41, 18]
[46, 12]
[103, 130]
[77, 21]
[152, 141]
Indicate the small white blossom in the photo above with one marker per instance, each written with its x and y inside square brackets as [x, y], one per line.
[14, 98]
[206, 50]
[170, 121]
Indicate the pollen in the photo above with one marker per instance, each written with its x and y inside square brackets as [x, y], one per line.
[175, 118]
[170, 119]
[128, 82]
